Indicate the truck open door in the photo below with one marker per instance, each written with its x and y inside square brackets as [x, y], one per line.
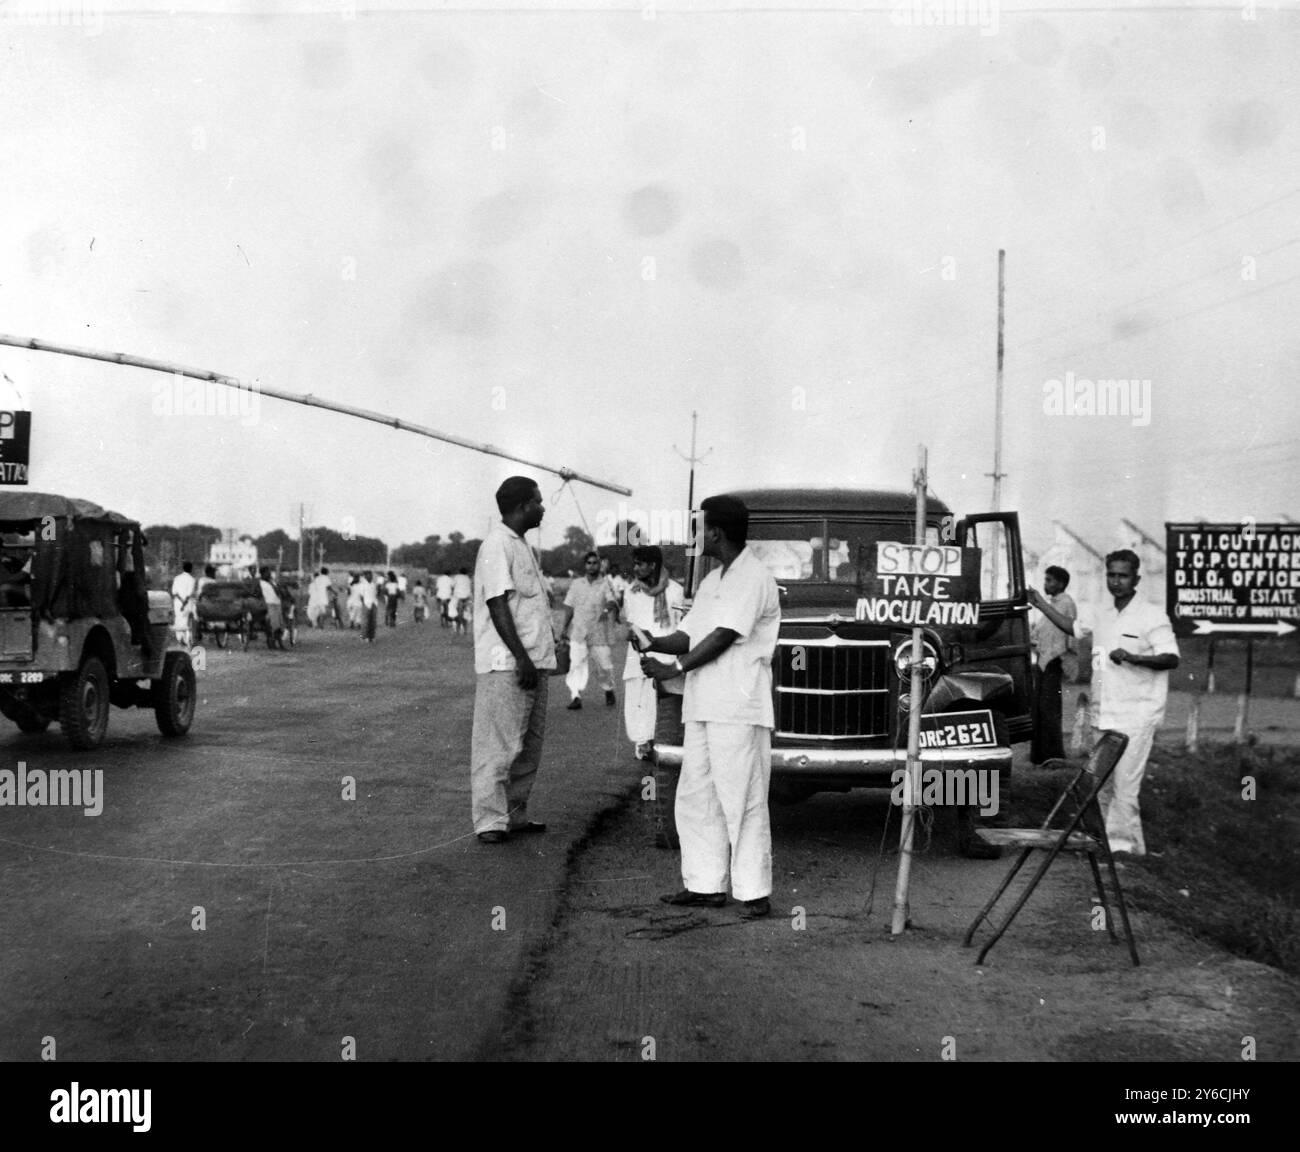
[1000, 641]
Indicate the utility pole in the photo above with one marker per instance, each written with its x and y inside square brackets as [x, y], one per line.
[301, 517]
[997, 472]
[1147, 540]
[692, 459]
[1079, 540]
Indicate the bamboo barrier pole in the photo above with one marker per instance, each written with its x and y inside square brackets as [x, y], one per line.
[308, 399]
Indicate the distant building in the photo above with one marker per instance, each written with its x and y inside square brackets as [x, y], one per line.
[233, 556]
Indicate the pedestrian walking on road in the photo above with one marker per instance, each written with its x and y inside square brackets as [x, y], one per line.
[318, 599]
[589, 603]
[724, 647]
[1133, 652]
[392, 594]
[442, 590]
[514, 647]
[368, 595]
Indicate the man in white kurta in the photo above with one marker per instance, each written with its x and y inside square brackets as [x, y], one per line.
[653, 603]
[725, 648]
[184, 591]
[1133, 651]
[589, 600]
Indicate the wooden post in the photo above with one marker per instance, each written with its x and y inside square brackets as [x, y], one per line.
[1239, 732]
[1194, 723]
[912, 782]
[1079, 737]
[1209, 668]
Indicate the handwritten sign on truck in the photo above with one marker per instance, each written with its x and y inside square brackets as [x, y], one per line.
[915, 585]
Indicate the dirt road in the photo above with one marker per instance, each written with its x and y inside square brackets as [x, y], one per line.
[299, 876]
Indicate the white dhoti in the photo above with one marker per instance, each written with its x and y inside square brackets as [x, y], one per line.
[1119, 799]
[576, 680]
[640, 708]
[721, 810]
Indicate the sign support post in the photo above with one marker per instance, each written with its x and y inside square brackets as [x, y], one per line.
[912, 785]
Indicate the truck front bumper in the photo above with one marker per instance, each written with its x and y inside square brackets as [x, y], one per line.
[861, 765]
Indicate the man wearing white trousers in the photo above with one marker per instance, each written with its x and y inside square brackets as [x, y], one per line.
[724, 647]
[587, 607]
[1133, 652]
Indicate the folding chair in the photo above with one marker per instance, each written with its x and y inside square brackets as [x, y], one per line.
[1075, 824]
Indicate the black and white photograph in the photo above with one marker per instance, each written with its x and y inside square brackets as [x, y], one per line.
[650, 531]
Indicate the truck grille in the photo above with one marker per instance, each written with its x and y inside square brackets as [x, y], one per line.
[832, 689]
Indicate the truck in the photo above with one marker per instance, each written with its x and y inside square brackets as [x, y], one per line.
[79, 628]
[841, 685]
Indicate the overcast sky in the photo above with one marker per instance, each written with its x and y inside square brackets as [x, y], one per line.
[562, 231]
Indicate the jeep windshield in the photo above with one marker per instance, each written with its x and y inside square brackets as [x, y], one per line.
[824, 551]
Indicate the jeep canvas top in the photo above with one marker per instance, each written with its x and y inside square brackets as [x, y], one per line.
[78, 627]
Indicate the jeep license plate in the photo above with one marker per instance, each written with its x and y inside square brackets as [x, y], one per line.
[24, 677]
[958, 730]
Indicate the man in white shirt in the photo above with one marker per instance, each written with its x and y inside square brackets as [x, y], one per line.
[318, 598]
[368, 595]
[1054, 662]
[653, 604]
[725, 647]
[590, 599]
[462, 593]
[514, 646]
[442, 590]
[184, 590]
[1133, 652]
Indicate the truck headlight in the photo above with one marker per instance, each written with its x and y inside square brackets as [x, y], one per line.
[903, 659]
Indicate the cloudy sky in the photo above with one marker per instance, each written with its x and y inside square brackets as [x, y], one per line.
[561, 232]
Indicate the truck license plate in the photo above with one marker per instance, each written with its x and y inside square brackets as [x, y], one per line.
[958, 730]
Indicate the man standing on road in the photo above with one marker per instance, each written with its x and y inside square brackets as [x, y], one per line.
[442, 589]
[183, 598]
[514, 646]
[318, 598]
[725, 647]
[368, 596]
[1054, 662]
[462, 592]
[652, 709]
[1133, 651]
[589, 601]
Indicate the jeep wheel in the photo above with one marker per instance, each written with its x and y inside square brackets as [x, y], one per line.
[83, 704]
[173, 695]
[219, 637]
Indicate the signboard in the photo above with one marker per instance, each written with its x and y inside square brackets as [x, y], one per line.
[15, 445]
[1233, 578]
[958, 730]
[920, 585]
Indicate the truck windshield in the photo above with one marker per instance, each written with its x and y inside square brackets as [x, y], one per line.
[825, 552]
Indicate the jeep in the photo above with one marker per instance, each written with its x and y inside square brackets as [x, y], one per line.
[841, 685]
[79, 629]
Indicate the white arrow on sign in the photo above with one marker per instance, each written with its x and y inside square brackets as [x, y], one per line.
[1278, 627]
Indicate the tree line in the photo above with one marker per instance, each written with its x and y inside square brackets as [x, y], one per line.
[169, 545]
